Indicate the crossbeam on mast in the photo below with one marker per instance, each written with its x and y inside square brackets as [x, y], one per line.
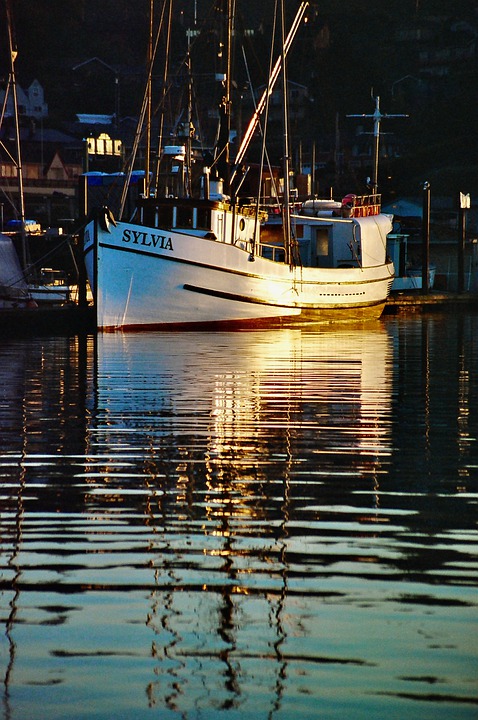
[377, 118]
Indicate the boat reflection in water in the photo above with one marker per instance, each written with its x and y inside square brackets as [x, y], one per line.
[252, 524]
[226, 448]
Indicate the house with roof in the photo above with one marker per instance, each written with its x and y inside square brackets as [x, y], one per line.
[51, 166]
[31, 102]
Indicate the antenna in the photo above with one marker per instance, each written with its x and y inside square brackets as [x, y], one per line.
[377, 117]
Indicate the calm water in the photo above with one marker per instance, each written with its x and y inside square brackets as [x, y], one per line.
[276, 524]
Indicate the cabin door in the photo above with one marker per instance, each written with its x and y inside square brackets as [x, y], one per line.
[322, 248]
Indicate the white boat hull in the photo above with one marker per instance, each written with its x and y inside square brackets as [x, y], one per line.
[143, 277]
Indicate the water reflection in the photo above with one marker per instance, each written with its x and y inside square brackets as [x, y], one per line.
[239, 437]
[272, 523]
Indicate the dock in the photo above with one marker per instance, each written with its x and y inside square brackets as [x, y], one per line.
[416, 301]
[62, 320]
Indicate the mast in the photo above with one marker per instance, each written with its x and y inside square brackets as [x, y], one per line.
[377, 117]
[248, 135]
[188, 132]
[12, 80]
[149, 61]
[164, 91]
[140, 126]
[222, 150]
[285, 120]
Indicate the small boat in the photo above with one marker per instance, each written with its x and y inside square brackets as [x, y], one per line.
[415, 276]
[21, 285]
[408, 276]
[210, 259]
[14, 292]
[51, 288]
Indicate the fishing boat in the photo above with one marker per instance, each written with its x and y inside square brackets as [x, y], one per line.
[208, 257]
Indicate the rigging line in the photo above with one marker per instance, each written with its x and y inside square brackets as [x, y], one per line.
[28, 271]
[4, 147]
[215, 161]
[165, 90]
[223, 136]
[189, 130]
[147, 157]
[273, 78]
[261, 130]
[66, 242]
[168, 85]
[264, 154]
[195, 102]
[12, 80]
[181, 63]
[140, 125]
[11, 282]
[285, 121]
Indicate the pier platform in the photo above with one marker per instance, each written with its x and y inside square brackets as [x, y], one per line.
[431, 301]
[61, 320]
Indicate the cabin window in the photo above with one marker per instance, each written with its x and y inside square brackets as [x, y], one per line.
[203, 219]
[184, 217]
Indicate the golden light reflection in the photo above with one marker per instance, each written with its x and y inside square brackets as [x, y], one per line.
[199, 470]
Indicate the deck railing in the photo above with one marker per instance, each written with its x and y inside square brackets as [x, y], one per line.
[363, 205]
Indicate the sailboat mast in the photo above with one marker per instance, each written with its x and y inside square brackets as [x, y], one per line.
[147, 158]
[189, 130]
[228, 98]
[285, 120]
[164, 90]
[13, 54]
[225, 104]
[140, 129]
